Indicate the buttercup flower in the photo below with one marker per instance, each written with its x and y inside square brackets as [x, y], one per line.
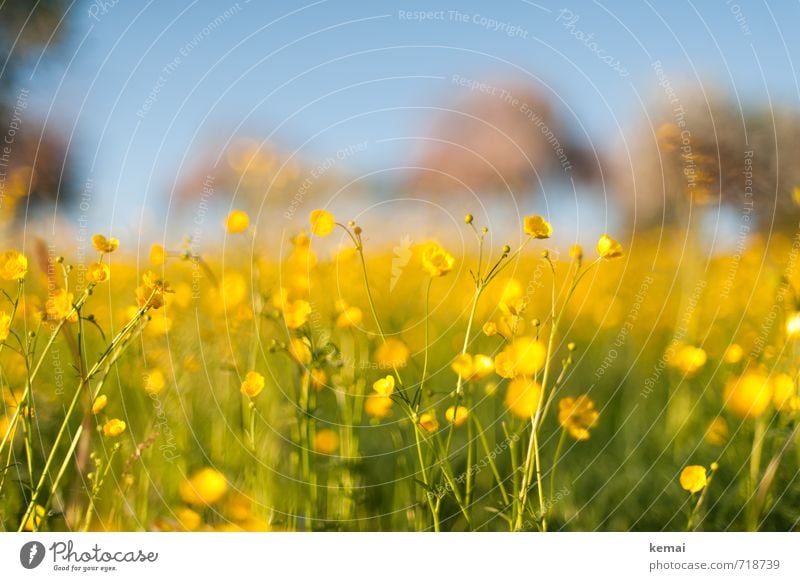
[749, 395]
[524, 356]
[206, 486]
[576, 251]
[490, 329]
[322, 222]
[472, 368]
[577, 415]
[59, 306]
[98, 272]
[384, 386]
[428, 422]
[522, 397]
[158, 255]
[456, 416]
[609, 248]
[378, 406]
[296, 313]
[113, 428]
[13, 265]
[537, 227]
[392, 353]
[436, 260]
[349, 317]
[326, 441]
[693, 478]
[733, 353]
[99, 404]
[300, 351]
[104, 245]
[237, 222]
[784, 393]
[253, 384]
[689, 359]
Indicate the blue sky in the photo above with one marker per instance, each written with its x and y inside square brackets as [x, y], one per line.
[323, 75]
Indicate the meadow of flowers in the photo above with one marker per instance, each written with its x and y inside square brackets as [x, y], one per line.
[505, 387]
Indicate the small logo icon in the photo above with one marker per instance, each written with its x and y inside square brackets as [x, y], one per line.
[401, 255]
[31, 554]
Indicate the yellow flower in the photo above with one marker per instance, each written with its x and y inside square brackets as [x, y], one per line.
[187, 518]
[5, 326]
[349, 317]
[237, 222]
[113, 428]
[253, 384]
[151, 292]
[158, 255]
[436, 260]
[13, 265]
[104, 245]
[322, 222]
[296, 313]
[749, 395]
[577, 415]
[576, 251]
[59, 306]
[693, 478]
[378, 406]
[522, 397]
[524, 356]
[326, 441]
[384, 386]
[98, 272]
[608, 248]
[490, 329]
[784, 393]
[733, 353]
[154, 382]
[206, 486]
[318, 378]
[717, 432]
[99, 404]
[793, 326]
[35, 519]
[428, 421]
[688, 359]
[456, 416]
[537, 227]
[300, 351]
[392, 353]
[469, 367]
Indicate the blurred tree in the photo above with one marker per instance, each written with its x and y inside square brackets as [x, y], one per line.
[709, 151]
[500, 136]
[33, 157]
